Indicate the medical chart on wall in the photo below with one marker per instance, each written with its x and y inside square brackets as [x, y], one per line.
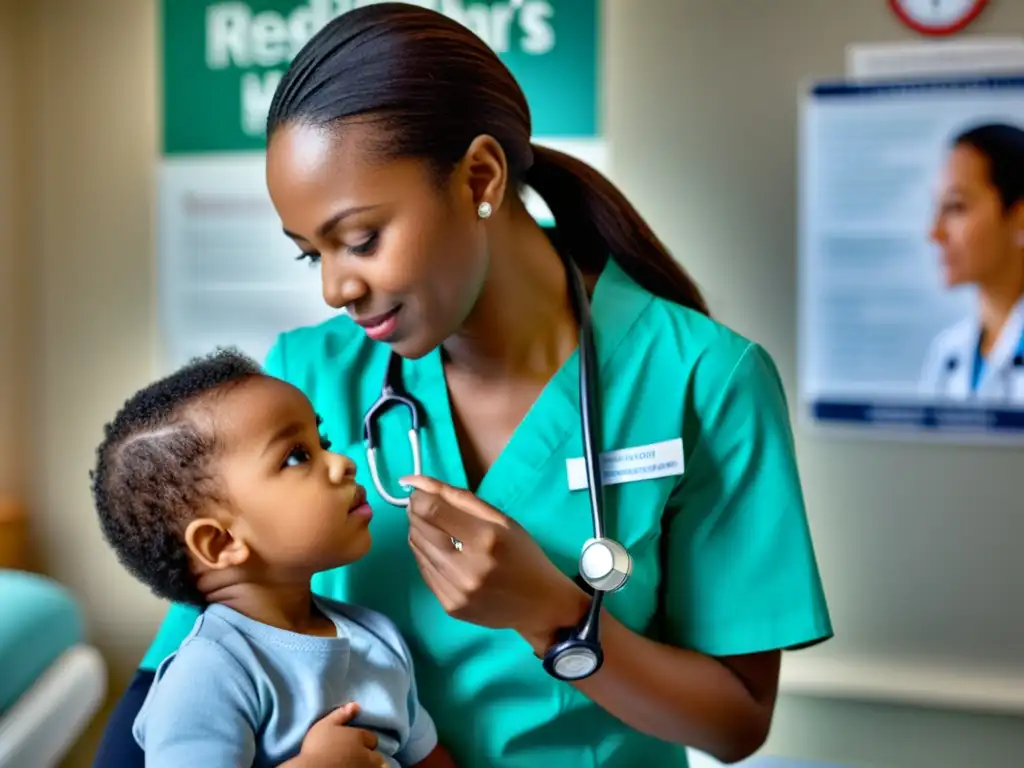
[226, 273]
[896, 262]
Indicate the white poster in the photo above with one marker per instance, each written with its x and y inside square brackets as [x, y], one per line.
[911, 267]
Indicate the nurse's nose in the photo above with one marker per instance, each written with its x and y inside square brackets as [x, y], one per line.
[340, 286]
[340, 469]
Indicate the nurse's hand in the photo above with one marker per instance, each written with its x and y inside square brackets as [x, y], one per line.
[501, 578]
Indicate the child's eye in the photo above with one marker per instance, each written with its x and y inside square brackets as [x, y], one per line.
[296, 456]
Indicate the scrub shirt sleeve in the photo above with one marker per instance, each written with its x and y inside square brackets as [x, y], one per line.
[179, 620]
[740, 571]
[273, 363]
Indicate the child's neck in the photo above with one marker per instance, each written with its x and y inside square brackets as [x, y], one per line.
[285, 606]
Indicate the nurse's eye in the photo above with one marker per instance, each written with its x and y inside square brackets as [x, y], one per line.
[296, 457]
[366, 246]
[954, 204]
[313, 258]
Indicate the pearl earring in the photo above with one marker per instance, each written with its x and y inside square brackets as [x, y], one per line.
[484, 210]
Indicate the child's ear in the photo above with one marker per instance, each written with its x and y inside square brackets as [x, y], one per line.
[213, 544]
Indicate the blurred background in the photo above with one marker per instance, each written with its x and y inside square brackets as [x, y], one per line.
[700, 116]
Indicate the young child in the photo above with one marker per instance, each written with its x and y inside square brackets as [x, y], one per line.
[215, 487]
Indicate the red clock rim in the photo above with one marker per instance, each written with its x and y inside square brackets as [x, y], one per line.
[949, 29]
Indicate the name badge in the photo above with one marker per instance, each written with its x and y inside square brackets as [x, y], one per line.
[644, 462]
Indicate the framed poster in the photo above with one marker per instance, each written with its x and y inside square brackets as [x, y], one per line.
[226, 273]
[911, 258]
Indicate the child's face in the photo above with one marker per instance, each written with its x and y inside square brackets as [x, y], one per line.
[294, 505]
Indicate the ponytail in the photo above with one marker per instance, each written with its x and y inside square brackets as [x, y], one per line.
[596, 222]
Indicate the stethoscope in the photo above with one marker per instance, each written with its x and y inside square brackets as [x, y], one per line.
[604, 563]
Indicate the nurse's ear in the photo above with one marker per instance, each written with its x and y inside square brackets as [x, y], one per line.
[213, 544]
[483, 175]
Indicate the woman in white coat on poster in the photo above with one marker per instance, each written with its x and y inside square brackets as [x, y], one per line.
[979, 228]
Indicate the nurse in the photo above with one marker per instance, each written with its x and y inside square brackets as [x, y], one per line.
[979, 228]
[398, 145]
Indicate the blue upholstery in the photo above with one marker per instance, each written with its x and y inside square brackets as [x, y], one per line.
[39, 620]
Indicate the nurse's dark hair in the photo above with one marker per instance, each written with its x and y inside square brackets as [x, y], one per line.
[154, 472]
[1002, 145]
[432, 86]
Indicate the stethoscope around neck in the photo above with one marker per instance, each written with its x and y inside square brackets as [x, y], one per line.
[604, 564]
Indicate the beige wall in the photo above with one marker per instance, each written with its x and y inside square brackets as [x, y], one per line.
[93, 140]
[82, 290]
[14, 326]
[695, 90]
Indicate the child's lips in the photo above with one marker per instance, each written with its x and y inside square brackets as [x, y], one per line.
[359, 505]
[360, 497]
[362, 510]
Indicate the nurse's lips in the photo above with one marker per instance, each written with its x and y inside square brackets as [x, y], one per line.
[380, 327]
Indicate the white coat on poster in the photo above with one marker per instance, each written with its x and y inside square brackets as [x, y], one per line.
[954, 370]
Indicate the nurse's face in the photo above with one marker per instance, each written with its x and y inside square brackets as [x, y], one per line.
[978, 239]
[402, 253]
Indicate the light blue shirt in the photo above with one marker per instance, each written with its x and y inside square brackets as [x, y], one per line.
[241, 693]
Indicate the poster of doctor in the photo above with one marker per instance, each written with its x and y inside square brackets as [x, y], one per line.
[978, 229]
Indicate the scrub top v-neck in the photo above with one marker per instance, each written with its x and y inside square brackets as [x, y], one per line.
[723, 558]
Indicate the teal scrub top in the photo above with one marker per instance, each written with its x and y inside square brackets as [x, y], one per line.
[723, 558]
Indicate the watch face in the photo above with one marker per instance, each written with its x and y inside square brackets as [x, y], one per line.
[937, 14]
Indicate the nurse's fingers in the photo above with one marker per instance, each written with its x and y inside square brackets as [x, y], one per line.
[427, 532]
[434, 510]
[460, 498]
[422, 483]
[436, 546]
[445, 593]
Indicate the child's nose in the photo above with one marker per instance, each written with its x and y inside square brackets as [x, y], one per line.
[340, 468]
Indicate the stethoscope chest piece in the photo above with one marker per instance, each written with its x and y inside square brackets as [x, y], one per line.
[605, 564]
[572, 660]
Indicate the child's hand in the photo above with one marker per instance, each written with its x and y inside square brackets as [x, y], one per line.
[333, 743]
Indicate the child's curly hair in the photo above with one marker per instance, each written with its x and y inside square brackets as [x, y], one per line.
[153, 472]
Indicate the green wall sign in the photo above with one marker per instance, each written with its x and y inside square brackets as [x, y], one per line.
[222, 61]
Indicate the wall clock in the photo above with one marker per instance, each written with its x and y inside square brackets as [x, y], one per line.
[937, 17]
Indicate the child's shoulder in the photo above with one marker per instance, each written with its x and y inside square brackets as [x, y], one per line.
[378, 626]
[205, 678]
[212, 643]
